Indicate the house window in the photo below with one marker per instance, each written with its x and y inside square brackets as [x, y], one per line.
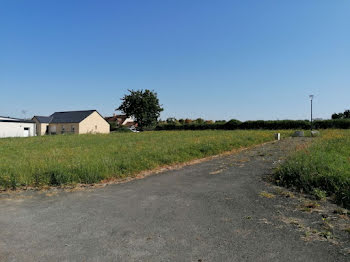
[95, 127]
[73, 129]
[63, 130]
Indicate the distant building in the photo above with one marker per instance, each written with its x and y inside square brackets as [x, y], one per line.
[14, 127]
[121, 120]
[74, 122]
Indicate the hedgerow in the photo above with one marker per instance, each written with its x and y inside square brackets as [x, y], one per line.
[258, 124]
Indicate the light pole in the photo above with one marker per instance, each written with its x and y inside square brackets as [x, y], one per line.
[311, 98]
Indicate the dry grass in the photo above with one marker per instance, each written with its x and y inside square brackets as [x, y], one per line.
[266, 194]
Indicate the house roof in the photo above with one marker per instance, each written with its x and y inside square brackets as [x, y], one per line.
[116, 117]
[65, 117]
[6, 117]
[129, 124]
[70, 116]
[43, 119]
[121, 120]
[14, 120]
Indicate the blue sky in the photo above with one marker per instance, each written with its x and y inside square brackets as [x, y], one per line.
[211, 59]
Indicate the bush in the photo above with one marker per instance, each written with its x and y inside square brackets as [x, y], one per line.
[122, 129]
[334, 123]
[232, 124]
[112, 126]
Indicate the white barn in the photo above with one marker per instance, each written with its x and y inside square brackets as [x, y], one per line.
[14, 127]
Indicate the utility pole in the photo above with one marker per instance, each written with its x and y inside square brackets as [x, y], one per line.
[311, 98]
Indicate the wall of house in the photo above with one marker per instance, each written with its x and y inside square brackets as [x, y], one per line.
[13, 129]
[64, 128]
[40, 127]
[94, 124]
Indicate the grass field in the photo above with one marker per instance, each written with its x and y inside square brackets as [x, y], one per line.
[321, 169]
[69, 159]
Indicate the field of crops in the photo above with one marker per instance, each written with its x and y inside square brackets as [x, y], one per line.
[69, 159]
[321, 169]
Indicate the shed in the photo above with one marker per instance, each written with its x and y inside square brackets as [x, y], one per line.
[15, 127]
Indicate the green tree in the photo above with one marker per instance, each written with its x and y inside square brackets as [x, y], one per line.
[345, 115]
[143, 105]
[171, 120]
[220, 121]
[337, 116]
[199, 121]
[233, 124]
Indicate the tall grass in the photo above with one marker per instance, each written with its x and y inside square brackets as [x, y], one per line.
[69, 159]
[325, 165]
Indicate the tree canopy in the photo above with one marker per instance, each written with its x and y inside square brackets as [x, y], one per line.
[143, 105]
[345, 115]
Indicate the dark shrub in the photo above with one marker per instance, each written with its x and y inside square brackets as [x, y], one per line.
[232, 124]
[112, 126]
[122, 129]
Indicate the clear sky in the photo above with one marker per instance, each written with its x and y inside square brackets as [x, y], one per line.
[213, 59]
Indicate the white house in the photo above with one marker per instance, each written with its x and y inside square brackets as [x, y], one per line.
[14, 127]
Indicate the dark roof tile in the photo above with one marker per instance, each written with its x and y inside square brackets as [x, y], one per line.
[70, 116]
[43, 119]
[65, 117]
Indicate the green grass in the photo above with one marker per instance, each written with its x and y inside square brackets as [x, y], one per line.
[70, 159]
[322, 167]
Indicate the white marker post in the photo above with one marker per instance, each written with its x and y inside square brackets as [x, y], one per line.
[278, 136]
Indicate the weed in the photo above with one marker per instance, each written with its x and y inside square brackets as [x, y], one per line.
[284, 193]
[340, 211]
[311, 205]
[323, 169]
[266, 194]
[319, 194]
[327, 225]
[295, 222]
[308, 206]
[325, 234]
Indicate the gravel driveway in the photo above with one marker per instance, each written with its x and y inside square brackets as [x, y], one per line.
[219, 210]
